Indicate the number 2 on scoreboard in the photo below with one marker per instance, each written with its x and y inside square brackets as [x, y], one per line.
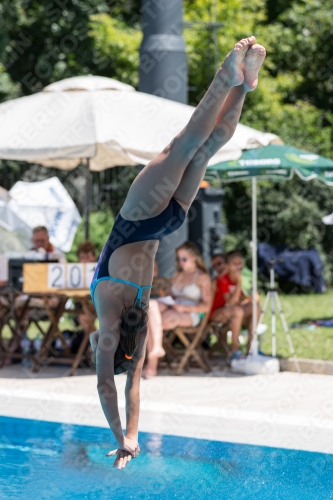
[56, 276]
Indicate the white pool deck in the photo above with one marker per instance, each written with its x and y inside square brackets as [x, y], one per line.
[287, 410]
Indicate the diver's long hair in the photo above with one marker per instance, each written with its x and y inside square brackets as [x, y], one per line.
[132, 320]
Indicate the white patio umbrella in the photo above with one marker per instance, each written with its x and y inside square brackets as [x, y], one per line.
[106, 123]
[46, 203]
[15, 234]
[328, 219]
[89, 82]
[78, 118]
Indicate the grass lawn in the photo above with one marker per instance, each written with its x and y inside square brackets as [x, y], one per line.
[313, 344]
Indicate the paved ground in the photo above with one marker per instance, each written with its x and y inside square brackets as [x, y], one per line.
[287, 410]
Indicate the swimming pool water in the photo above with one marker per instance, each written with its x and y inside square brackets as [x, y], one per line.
[53, 461]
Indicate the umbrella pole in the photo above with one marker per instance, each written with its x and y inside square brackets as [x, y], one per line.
[254, 346]
[87, 200]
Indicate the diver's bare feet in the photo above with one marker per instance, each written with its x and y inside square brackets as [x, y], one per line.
[253, 60]
[232, 66]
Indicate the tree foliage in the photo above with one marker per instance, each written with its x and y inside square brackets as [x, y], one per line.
[239, 18]
[116, 48]
[41, 42]
[289, 213]
[301, 41]
[98, 224]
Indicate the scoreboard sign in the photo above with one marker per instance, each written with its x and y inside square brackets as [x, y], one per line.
[43, 277]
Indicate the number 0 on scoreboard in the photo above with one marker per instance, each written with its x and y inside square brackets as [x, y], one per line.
[75, 276]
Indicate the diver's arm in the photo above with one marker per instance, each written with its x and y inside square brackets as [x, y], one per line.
[132, 391]
[108, 393]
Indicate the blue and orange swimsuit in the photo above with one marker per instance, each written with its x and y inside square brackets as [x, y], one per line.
[126, 231]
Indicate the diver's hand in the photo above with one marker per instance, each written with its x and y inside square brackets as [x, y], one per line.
[123, 456]
[131, 445]
[127, 444]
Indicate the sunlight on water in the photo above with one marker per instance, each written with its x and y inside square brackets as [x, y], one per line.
[51, 461]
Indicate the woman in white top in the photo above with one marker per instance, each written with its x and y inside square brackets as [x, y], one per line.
[191, 290]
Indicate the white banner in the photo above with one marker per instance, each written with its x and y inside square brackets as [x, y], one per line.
[47, 203]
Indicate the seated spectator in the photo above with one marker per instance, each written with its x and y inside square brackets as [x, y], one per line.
[41, 243]
[86, 252]
[155, 335]
[231, 304]
[218, 262]
[192, 296]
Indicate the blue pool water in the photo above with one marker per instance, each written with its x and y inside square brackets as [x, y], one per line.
[52, 461]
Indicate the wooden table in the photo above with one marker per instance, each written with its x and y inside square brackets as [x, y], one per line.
[13, 318]
[45, 353]
[54, 306]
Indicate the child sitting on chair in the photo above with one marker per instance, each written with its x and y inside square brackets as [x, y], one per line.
[231, 304]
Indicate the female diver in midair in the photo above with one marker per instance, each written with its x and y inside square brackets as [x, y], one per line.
[156, 205]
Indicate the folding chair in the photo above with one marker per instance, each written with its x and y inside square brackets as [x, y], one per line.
[191, 338]
[15, 321]
[46, 354]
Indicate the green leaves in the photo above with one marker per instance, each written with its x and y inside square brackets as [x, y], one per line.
[301, 39]
[100, 225]
[115, 48]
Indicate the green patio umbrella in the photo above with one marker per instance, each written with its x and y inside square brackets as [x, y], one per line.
[275, 162]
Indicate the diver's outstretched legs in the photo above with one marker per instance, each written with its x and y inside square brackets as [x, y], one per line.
[153, 188]
[225, 126]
